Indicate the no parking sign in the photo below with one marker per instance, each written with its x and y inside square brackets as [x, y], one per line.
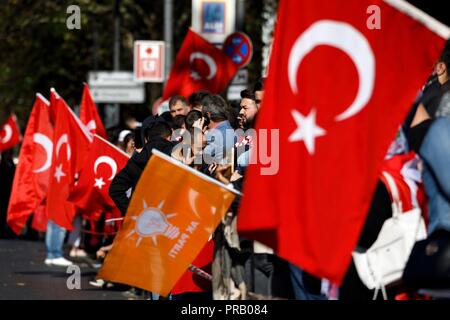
[239, 48]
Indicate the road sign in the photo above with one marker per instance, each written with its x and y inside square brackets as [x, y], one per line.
[234, 92]
[239, 48]
[118, 94]
[115, 87]
[149, 61]
[239, 83]
[241, 77]
[214, 19]
[111, 79]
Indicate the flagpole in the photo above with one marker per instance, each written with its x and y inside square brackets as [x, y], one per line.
[417, 14]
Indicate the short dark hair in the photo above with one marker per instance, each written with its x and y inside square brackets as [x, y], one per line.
[196, 98]
[191, 117]
[178, 121]
[167, 117]
[248, 94]
[445, 58]
[173, 100]
[157, 129]
[259, 85]
[216, 106]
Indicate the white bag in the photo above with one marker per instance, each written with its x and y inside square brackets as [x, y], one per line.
[383, 263]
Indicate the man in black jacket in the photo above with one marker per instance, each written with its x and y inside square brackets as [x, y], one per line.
[157, 136]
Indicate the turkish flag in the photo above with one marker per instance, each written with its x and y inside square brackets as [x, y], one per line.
[199, 65]
[89, 115]
[337, 91]
[102, 164]
[71, 145]
[30, 183]
[9, 133]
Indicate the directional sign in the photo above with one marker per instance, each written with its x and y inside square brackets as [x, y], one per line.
[115, 87]
[239, 48]
[118, 94]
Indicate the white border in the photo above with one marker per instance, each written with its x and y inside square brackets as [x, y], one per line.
[160, 44]
[113, 146]
[40, 96]
[417, 14]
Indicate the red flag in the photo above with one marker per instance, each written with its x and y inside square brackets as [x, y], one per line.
[337, 91]
[199, 65]
[32, 173]
[89, 115]
[102, 164]
[71, 145]
[9, 134]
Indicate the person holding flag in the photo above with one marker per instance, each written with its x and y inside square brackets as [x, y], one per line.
[71, 145]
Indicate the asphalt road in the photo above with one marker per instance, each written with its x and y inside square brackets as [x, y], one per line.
[24, 276]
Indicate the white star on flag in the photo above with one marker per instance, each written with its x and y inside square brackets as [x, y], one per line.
[99, 183]
[59, 173]
[307, 130]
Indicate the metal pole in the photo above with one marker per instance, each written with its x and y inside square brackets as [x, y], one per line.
[168, 35]
[117, 36]
[240, 15]
[116, 63]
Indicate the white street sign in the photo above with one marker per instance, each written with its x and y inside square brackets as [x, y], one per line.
[234, 91]
[118, 94]
[111, 79]
[241, 77]
[115, 87]
[148, 61]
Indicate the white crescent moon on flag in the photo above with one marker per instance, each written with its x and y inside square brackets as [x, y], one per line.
[64, 139]
[47, 144]
[91, 126]
[209, 61]
[346, 38]
[8, 133]
[109, 161]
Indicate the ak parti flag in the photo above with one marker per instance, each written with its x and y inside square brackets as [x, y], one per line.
[70, 148]
[102, 164]
[9, 134]
[89, 115]
[31, 178]
[173, 212]
[199, 65]
[337, 91]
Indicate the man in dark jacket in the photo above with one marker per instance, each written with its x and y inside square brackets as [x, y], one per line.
[157, 136]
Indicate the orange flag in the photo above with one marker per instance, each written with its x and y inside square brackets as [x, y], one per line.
[173, 212]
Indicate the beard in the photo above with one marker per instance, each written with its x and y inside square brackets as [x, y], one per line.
[249, 124]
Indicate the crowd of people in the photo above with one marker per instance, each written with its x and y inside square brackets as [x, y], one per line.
[201, 132]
